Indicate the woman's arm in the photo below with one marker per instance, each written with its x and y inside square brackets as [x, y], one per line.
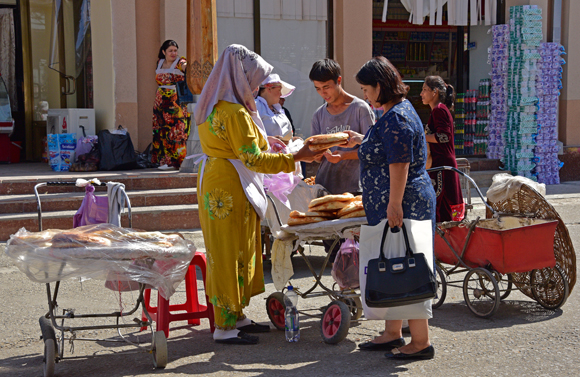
[442, 127]
[399, 173]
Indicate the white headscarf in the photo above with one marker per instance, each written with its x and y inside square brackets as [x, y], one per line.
[234, 76]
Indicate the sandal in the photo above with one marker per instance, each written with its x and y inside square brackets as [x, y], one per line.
[242, 338]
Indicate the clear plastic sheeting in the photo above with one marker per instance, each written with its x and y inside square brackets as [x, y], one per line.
[101, 252]
[505, 186]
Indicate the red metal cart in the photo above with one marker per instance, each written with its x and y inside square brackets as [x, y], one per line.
[491, 252]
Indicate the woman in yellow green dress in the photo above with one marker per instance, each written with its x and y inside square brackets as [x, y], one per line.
[230, 188]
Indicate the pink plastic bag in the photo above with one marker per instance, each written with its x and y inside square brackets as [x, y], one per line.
[94, 209]
[346, 265]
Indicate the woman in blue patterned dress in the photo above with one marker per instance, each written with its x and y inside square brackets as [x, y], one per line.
[395, 183]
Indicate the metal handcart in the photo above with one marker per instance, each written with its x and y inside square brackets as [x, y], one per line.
[54, 321]
[494, 258]
[345, 305]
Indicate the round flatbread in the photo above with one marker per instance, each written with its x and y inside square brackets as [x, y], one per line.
[63, 240]
[305, 220]
[330, 206]
[351, 207]
[359, 213]
[299, 215]
[346, 197]
[328, 138]
[326, 146]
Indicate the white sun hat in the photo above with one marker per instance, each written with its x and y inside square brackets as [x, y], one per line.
[273, 78]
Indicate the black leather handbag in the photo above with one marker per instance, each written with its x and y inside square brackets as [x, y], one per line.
[399, 281]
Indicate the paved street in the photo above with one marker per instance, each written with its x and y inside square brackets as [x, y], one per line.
[521, 339]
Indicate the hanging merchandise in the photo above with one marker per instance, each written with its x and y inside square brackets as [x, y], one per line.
[522, 125]
[548, 88]
[498, 59]
[457, 11]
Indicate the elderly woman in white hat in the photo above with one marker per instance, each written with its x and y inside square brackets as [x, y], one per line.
[275, 120]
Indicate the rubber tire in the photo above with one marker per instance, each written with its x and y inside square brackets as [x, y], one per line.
[550, 306]
[50, 348]
[159, 349]
[336, 310]
[49, 357]
[441, 282]
[495, 297]
[275, 303]
[355, 308]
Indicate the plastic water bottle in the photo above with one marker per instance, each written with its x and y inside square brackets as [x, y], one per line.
[291, 315]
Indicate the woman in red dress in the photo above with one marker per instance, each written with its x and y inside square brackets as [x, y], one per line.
[440, 97]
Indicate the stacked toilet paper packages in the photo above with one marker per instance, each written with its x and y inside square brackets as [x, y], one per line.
[525, 38]
[548, 88]
[498, 58]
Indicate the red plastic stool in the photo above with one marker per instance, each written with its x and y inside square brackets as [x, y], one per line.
[162, 314]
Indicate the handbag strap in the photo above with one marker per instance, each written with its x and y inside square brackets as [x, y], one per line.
[408, 251]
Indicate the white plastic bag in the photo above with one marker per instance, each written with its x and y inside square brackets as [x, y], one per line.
[421, 241]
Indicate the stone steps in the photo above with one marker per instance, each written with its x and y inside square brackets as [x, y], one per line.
[159, 200]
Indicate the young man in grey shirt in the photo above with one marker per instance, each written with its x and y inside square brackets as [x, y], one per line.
[339, 168]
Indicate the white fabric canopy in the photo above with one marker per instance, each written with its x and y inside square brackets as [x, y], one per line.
[457, 11]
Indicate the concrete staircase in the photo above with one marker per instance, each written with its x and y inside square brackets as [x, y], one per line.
[158, 202]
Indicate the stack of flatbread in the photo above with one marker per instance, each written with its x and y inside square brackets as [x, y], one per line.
[329, 207]
[353, 209]
[323, 142]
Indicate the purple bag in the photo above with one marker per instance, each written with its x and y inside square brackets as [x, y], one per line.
[345, 269]
[94, 209]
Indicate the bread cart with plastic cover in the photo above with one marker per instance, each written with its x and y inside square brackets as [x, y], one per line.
[124, 258]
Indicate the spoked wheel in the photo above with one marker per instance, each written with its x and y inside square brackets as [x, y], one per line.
[335, 322]
[441, 288]
[276, 308]
[549, 287]
[50, 349]
[159, 349]
[355, 308]
[504, 283]
[481, 292]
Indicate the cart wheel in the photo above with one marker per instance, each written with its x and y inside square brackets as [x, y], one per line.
[354, 305]
[335, 322]
[159, 349]
[481, 292]
[549, 287]
[504, 285]
[441, 288]
[276, 308]
[50, 351]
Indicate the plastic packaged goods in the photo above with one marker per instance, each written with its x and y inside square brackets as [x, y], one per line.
[292, 327]
[123, 257]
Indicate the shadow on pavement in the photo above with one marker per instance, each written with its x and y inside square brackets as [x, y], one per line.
[457, 317]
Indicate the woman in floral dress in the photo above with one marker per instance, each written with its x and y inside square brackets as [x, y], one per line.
[395, 184]
[170, 120]
[230, 188]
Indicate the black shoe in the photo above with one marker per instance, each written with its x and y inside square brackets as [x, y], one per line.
[254, 328]
[370, 346]
[242, 338]
[424, 354]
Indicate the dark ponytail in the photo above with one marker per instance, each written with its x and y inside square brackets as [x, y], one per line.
[446, 92]
[450, 97]
[168, 43]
